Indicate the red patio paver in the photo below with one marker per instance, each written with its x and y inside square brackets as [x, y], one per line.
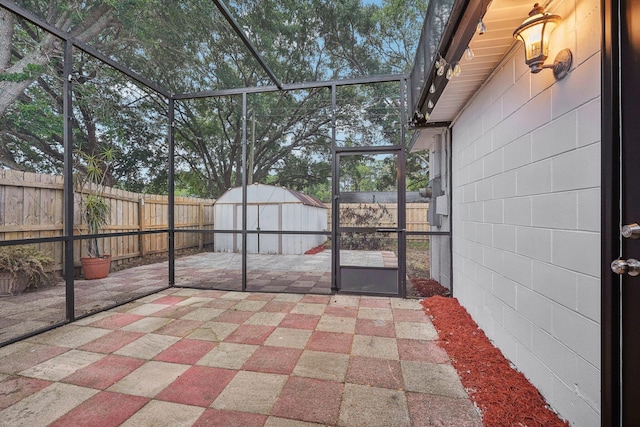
[275, 360]
[105, 409]
[220, 418]
[250, 334]
[333, 342]
[300, 321]
[105, 372]
[14, 390]
[199, 386]
[310, 400]
[117, 320]
[186, 351]
[375, 372]
[111, 342]
[378, 328]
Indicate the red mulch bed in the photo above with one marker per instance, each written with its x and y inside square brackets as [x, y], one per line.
[428, 287]
[504, 396]
[315, 250]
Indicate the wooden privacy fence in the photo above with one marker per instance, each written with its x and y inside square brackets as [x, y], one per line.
[31, 206]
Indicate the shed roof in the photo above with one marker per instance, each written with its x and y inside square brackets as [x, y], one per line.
[265, 193]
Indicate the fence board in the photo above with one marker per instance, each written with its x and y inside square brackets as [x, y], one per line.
[32, 206]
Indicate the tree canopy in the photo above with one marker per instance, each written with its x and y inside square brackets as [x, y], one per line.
[186, 46]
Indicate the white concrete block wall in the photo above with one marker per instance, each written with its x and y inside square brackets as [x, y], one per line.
[526, 212]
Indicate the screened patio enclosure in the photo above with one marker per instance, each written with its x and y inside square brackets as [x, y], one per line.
[148, 100]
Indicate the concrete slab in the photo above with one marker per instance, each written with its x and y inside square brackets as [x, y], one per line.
[433, 378]
[373, 407]
[254, 392]
[322, 365]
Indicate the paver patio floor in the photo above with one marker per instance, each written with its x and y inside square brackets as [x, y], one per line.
[185, 357]
[309, 274]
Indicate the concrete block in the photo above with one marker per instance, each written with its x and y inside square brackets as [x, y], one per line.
[505, 289]
[493, 258]
[504, 185]
[577, 169]
[535, 307]
[557, 136]
[556, 283]
[492, 163]
[517, 153]
[504, 237]
[517, 268]
[581, 86]
[579, 333]
[589, 210]
[484, 189]
[555, 355]
[493, 212]
[518, 326]
[517, 95]
[572, 406]
[517, 211]
[534, 243]
[589, 128]
[484, 233]
[588, 299]
[556, 210]
[492, 115]
[483, 145]
[578, 251]
[537, 372]
[534, 178]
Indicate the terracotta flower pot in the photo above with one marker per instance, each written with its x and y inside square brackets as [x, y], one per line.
[96, 268]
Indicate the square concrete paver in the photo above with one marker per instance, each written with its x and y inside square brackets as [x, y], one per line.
[62, 366]
[416, 331]
[228, 355]
[433, 410]
[434, 378]
[288, 337]
[164, 414]
[46, 405]
[370, 346]
[254, 392]
[149, 379]
[337, 324]
[147, 346]
[322, 365]
[213, 331]
[373, 407]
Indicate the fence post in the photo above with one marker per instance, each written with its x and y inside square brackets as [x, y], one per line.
[142, 226]
[200, 225]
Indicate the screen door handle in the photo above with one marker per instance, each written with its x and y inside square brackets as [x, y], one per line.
[630, 266]
[630, 231]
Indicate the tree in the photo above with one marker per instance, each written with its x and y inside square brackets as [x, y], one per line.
[186, 46]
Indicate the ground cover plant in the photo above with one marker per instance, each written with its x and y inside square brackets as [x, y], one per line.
[503, 395]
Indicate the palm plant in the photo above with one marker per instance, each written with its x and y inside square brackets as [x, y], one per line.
[95, 210]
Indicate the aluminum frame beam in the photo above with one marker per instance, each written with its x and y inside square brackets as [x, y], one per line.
[236, 27]
[386, 78]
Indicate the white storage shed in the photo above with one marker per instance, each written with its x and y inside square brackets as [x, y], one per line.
[269, 208]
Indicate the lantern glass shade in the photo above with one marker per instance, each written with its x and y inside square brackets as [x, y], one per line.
[535, 32]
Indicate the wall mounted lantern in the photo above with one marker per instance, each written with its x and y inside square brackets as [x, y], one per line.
[535, 32]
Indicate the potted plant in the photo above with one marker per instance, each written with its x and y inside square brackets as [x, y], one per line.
[94, 209]
[22, 267]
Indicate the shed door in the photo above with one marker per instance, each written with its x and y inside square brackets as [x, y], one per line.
[370, 222]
